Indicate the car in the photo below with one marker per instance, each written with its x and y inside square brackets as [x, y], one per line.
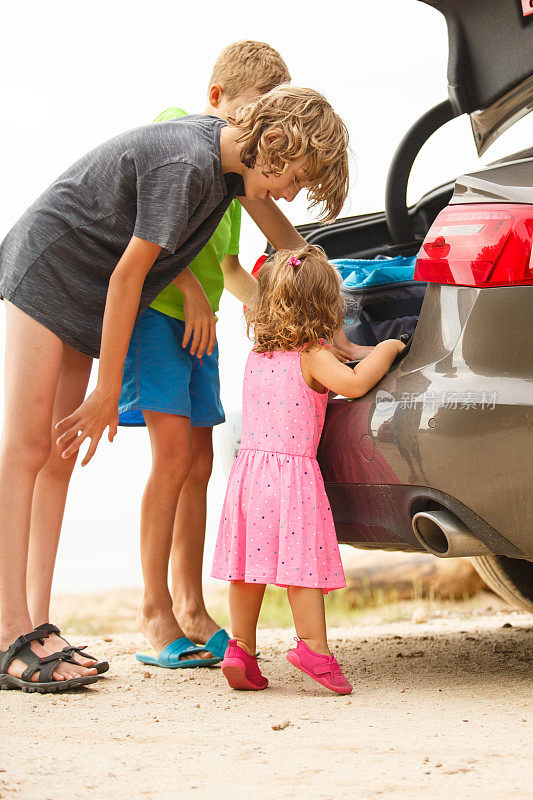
[438, 456]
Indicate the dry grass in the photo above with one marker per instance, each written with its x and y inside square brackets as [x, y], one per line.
[114, 612]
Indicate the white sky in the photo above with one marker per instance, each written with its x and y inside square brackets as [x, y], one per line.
[75, 74]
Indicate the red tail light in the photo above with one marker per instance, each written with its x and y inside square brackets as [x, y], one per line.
[257, 266]
[479, 245]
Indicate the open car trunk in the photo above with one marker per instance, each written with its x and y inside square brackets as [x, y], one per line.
[490, 77]
[383, 311]
[368, 235]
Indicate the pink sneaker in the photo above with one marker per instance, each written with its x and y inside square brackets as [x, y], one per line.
[241, 670]
[324, 669]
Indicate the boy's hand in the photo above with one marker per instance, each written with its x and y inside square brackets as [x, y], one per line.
[89, 421]
[345, 350]
[200, 322]
[353, 352]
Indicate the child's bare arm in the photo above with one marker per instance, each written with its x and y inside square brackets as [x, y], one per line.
[100, 409]
[237, 280]
[346, 350]
[271, 221]
[328, 370]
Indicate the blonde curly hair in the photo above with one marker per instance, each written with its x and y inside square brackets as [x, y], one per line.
[298, 305]
[307, 128]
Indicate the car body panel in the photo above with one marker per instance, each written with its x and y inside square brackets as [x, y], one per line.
[455, 416]
[509, 182]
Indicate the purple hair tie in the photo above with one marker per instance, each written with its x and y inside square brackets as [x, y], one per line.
[294, 262]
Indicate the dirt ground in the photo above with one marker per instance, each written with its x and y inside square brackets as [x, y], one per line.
[439, 710]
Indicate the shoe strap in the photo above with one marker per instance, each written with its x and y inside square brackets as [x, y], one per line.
[322, 669]
[46, 666]
[70, 651]
[48, 629]
[19, 644]
[26, 638]
[332, 666]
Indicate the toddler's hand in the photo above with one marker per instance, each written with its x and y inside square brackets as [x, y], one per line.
[397, 344]
[89, 421]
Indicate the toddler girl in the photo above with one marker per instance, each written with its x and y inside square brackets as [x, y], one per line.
[276, 524]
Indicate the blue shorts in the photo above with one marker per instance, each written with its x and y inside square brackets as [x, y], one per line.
[161, 375]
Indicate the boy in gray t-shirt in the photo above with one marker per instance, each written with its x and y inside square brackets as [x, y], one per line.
[162, 183]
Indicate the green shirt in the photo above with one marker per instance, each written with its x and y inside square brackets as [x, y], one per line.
[206, 266]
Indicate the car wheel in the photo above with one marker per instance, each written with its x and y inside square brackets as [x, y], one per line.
[510, 578]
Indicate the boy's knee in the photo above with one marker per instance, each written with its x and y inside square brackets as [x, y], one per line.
[56, 466]
[201, 468]
[173, 463]
[27, 452]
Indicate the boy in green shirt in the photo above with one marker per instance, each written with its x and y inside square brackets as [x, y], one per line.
[174, 389]
[207, 265]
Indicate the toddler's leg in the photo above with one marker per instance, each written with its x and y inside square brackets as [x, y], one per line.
[312, 654]
[186, 557]
[240, 667]
[170, 438]
[309, 616]
[244, 605]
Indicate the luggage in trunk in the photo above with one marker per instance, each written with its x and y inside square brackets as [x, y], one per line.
[382, 299]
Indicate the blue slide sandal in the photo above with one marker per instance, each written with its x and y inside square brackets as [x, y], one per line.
[218, 643]
[171, 657]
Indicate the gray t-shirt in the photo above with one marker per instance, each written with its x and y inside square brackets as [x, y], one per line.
[163, 183]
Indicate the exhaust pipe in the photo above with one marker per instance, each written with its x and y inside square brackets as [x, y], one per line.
[444, 535]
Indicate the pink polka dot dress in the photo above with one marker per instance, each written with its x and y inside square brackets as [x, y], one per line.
[276, 524]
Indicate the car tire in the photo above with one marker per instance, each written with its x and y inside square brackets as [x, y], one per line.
[510, 578]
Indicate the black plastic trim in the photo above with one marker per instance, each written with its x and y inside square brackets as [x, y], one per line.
[366, 235]
[397, 214]
[397, 284]
[490, 50]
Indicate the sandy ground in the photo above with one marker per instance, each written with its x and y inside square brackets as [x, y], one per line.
[440, 709]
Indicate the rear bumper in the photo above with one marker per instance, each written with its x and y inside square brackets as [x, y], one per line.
[379, 516]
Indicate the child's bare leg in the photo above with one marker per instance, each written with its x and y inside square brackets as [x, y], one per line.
[50, 494]
[309, 616]
[244, 606]
[170, 439]
[187, 553]
[32, 367]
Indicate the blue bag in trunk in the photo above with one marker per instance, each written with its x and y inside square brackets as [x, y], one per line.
[382, 299]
